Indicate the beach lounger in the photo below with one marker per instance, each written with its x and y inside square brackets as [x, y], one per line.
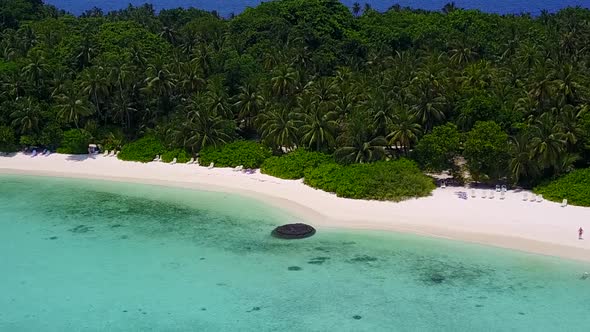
[484, 194]
[492, 194]
[564, 203]
[191, 161]
[473, 194]
[238, 168]
[117, 153]
[497, 188]
[502, 194]
[539, 198]
[111, 154]
[443, 185]
[157, 158]
[533, 198]
[173, 161]
[34, 153]
[211, 166]
[525, 197]
[504, 188]
[106, 153]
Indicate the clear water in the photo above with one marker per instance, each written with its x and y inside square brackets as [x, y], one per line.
[225, 7]
[79, 255]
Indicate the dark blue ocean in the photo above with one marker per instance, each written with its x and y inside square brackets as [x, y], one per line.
[225, 7]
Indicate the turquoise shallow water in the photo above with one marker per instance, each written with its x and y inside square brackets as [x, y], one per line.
[79, 255]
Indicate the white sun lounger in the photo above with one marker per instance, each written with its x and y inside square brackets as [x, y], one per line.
[117, 153]
[173, 161]
[525, 197]
[157, 158]
[106, 153]
[192, 161]
[238, 168]
[484, 194]
[502, 194]
[473, 194]
[211, 166]
[564, 203]
[492, 194]
[497, 188]
[504, 188]
[34, 153]
[533, 198]
[112, 154]
[539, 198]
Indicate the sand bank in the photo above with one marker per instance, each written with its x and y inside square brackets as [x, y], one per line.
[543, 228]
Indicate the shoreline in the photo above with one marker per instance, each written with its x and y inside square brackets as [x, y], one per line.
[540, 228]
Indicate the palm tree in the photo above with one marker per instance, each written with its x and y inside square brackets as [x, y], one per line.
[404, 129]
[360, 144]
[449, 8]
[95, 85]
[169, 34]
[356, 8]
[248, 103]
[547, 141]
[278, 127]
[521, 163]
[36, 70]
[26, 115]
[318, 131]
[72, 106]
[284, 81]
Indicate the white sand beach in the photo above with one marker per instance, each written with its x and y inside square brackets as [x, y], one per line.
[538, 227]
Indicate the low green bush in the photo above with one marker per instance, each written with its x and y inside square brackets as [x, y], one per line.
[75, 141]
[294, 164]
[181, 156]
[384, 180]
[575, 187]
[144, 150]
[246, 153]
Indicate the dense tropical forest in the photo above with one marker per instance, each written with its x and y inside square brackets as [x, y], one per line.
[501, 97]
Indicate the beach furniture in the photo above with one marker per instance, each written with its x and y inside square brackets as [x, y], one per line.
[211, 166]
[497, 188]
[117, 153]
[502, 194]
[191, 161]
[539, 198]
[525, 197]
[157, 158]
[473, 195]
[34, 153]
[503, 188]
[173, 161]
[484, 194]
[443, 185]
[106, 153]
[492, 194]
[196, 162]
[533, 198]
[564, 203]
[111, 154]
[238, 168]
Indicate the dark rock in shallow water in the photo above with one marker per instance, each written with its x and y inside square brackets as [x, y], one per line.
[437, 278]
[357, 317]
[294, 268]
[293, 231]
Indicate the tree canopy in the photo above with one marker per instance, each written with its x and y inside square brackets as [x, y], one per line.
[507, 92]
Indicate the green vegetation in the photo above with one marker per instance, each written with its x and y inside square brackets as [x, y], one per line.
[181, 156]
[293, 165]
[385, 180]
[575, 187]
[144, 150]
[240, 153]
[75, 141]
[509, 94]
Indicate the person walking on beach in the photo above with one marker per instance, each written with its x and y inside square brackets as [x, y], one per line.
[580, 233]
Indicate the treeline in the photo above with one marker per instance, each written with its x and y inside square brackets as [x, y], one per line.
[508, 94]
